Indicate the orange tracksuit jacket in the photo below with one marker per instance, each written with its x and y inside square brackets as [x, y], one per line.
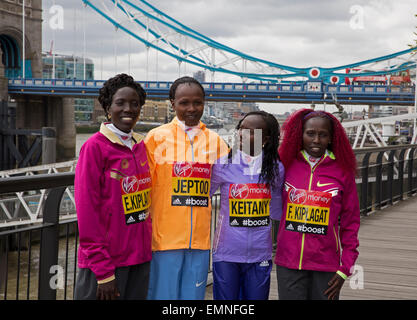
[181, 172]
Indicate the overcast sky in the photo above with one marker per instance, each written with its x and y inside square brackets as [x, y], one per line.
[299, 33]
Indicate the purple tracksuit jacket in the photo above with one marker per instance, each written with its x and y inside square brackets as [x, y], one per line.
[243, 230]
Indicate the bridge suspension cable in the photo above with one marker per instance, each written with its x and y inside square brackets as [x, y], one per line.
[157, 30]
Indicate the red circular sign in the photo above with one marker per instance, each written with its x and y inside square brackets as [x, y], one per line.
[334, 79]
[314, 73]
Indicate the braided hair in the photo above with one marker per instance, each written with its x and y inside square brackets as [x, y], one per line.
[292, 142]
[270, 166]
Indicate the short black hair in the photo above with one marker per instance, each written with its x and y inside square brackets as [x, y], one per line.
[182, 80]
[113, 84]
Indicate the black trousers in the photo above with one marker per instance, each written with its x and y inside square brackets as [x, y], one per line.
[132, 282]
[302, 284]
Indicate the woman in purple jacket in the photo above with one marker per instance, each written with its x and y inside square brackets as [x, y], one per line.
[112, 197]
[250, 180]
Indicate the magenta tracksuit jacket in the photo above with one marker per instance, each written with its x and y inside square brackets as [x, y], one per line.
[112, 196]
[320, 218]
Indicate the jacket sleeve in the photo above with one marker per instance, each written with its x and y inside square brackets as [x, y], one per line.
[150, 147]
[349, 226]
[276, 196]
[90, 213]
[215, 180]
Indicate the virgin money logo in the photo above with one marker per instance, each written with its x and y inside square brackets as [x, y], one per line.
[297, 196]
[130, 184]
[183, 169]
[239, 191]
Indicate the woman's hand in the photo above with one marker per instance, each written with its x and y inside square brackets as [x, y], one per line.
[335, 285]
[108, 291]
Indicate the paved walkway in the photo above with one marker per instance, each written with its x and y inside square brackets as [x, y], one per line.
[387, 262]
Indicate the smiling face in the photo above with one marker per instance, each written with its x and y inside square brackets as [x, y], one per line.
[317, 135]
[125, 109]
[188, 103]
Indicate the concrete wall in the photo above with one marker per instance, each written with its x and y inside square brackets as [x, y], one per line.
[49, 112]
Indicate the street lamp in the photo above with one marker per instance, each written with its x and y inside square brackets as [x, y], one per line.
[23, 41]
[413, 140]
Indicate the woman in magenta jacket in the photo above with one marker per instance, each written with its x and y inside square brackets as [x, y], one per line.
[318, 235]
[112, 197]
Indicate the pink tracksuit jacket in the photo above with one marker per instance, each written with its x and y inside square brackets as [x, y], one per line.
[112, 197]
[320, 218]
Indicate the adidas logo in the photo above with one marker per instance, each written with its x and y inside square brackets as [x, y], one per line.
[264, 263]
[130, 220]
[290, 227]
[234, 223]
[177, 201]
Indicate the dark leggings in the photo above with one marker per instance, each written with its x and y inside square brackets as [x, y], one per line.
[302, 284]
[132, 282]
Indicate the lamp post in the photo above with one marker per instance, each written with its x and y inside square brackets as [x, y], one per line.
[23, 40]
[413, 140]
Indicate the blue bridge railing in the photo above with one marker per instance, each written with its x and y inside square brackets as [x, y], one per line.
[295, 92]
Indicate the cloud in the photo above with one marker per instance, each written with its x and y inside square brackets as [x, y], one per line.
[298, 33]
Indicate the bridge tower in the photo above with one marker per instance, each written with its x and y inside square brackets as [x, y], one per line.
[32, 112]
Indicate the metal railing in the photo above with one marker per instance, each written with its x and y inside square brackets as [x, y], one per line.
[20, 208]
[304, 91]
[385, 175]
[41, 250]
[40, 261]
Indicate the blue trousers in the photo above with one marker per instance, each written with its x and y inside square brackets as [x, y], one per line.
[178, 274]
[241, 281]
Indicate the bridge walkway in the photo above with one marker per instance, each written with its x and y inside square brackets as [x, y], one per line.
[387, 257]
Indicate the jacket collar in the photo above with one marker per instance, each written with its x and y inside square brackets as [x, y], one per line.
[328, 156]
[177, 123]
[328, 153]
[136, 138]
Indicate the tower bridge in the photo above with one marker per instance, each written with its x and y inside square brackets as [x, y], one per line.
[48, 102]
[299, 92]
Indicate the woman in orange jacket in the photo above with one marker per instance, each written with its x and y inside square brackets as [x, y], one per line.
[181, 154]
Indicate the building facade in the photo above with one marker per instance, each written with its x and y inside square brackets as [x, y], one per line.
[70, 67]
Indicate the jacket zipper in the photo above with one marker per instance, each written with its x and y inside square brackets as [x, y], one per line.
[137, 172]
[192, 158]
[337, 240]
[304, 235]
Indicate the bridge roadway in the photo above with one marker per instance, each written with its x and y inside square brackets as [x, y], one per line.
[387, 256]
[294, 92]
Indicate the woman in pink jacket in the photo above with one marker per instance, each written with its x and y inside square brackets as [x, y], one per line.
[318, 235]
[112, 197]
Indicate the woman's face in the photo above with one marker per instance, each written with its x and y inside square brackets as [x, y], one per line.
[188, 103]
[316, 136]
[252, 134]
[125, 109]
